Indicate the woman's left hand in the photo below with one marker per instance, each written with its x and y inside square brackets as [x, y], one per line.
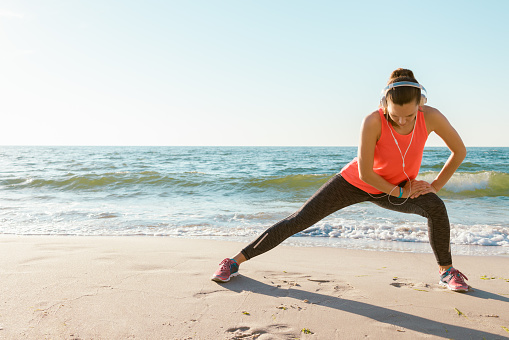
[419, 188]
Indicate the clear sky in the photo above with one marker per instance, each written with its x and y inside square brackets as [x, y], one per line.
[278, 72]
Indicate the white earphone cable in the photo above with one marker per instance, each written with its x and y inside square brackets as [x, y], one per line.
[403, 159]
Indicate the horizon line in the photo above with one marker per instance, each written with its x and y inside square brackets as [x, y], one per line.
[224, 146]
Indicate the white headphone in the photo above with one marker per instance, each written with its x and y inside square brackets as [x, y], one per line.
[423, 100]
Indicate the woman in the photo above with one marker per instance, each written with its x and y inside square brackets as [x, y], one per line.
[389, 157]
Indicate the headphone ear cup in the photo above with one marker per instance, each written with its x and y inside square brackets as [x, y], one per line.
[383, 102]
[423, 100]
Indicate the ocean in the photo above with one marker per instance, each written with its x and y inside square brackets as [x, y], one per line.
[234, 193]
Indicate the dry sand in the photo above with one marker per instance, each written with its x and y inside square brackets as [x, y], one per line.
[160, 288]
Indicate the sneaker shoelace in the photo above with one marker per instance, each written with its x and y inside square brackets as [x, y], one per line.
[458, 274]
[225, 265]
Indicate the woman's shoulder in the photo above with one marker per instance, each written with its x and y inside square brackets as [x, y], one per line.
[429, 110]
[433, 117]
[372, 124]
[373, 118]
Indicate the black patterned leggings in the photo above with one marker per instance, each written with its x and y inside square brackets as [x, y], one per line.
[336, 194]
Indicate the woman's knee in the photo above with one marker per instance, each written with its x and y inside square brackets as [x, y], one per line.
[433, 205]
[437, 201]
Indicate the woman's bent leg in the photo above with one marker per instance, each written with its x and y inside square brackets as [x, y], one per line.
[336, 194]
[433, 208]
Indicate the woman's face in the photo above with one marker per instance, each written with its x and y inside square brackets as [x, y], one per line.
[402, 115]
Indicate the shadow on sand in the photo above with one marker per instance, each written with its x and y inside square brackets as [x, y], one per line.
[380, 314]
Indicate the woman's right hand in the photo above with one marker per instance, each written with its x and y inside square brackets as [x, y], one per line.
[417, 188]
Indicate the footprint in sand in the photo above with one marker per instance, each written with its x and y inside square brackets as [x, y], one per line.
[298, 284]
[419, 286]
[270, 332]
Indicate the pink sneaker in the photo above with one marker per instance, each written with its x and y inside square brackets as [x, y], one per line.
[228, 269]
[453, 279]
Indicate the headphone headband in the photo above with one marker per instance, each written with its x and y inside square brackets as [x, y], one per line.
[424, 93]
[403, 83]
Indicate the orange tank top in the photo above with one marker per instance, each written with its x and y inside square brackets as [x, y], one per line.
[388, 162]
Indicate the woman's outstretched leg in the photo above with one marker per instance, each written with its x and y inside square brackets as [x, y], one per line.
[336, 194]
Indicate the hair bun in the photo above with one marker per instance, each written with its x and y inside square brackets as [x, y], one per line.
[402, 72]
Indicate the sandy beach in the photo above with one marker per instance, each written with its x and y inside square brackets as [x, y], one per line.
[160, 288]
